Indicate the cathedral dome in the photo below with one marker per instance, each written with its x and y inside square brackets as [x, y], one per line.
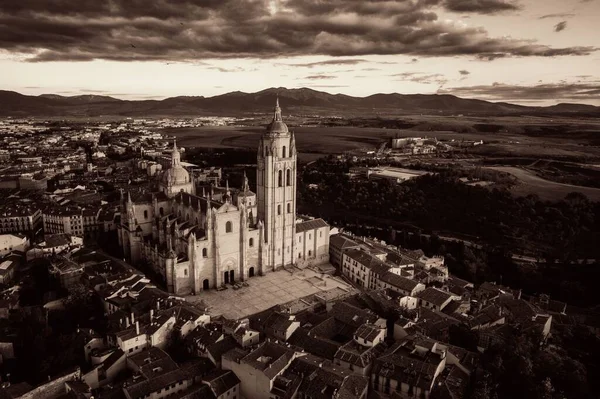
[277, 126]
[175, 176]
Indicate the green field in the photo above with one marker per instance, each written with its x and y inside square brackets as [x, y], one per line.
[529, 183]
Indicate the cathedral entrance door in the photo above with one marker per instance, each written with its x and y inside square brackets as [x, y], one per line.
[231, 277]
[226, 278]
[251, 272]
[206, 285]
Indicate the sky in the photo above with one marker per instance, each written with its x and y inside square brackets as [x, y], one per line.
[533, 52]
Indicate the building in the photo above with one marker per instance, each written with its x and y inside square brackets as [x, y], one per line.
[198, 241]
[259, 369]
[72, 220]
[13, 242]
[17, 218]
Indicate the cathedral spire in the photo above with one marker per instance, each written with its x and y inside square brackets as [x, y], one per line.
[277, 116]
[175, 155]
[245, 188]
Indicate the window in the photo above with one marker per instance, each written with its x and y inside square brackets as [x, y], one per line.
[299, 238]
[288, 177]
[146, 215]
[204, 253]
[185, 272]
[279, 179]
[309, 252]
[320, 234]
[289, 207]
[251, 242]
[228, 227]
[284, 155]
[279, 209]
[309, 236]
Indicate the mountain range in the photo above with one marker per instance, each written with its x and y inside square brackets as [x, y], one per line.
[297, 101]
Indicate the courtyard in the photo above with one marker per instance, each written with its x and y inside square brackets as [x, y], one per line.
[264, 292]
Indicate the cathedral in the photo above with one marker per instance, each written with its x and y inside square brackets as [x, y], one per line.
[200, 241]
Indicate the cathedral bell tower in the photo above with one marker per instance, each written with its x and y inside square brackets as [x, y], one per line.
[276, 191]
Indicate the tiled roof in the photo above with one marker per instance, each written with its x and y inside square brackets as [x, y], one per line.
[340, 241]
[434, 295]
[270, 358]
[368, 332]
[352, 315]
[400, 282]
[310, 225]
[359, 355]
[353, 387]
[221, 381]
[217, 349]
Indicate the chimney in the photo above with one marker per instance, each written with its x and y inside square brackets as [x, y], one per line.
[157, 305]
[137, 328]
[151, 314]
[132, 318]
[126, 322]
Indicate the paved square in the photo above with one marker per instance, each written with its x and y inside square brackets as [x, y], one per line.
[267, 291]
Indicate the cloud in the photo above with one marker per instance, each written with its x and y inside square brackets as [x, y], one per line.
[464, 72]
[342, 61]
[563, 91]
[481, 6]
[319, 77]
[195, 31]
[328, 86]
[559, 15]
[560, 26]
[420, 77]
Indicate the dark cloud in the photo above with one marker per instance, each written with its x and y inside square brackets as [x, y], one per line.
[197, 30]
[560, 26]
[564, 91]
[481, 6]
[347, 61]
[560, 15]
[319, 77]
[464, 72]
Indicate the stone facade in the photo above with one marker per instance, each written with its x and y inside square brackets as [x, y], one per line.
[198, 241]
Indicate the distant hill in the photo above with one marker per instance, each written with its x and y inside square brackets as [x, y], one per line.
[296, 101]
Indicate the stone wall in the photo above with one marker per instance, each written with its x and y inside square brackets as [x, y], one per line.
[53, 389]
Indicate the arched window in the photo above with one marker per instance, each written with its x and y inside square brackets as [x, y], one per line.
[289, 207]
[280, 179]
[146, 215]
[204, 253]
[283, 153]
[309, 252]
[279, 209]
[288, 177]
[228, 227]
[251, 242]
